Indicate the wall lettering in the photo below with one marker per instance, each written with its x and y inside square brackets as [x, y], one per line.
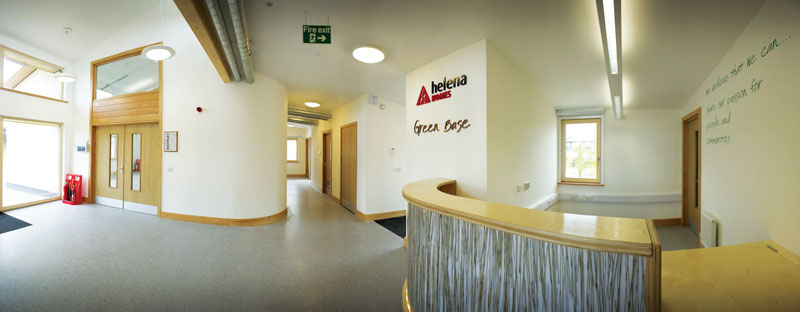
[449, 125]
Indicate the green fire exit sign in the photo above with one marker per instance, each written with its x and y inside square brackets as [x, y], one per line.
[317, 34]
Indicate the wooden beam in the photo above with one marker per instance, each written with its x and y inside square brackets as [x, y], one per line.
[196, 14]
[19, 76]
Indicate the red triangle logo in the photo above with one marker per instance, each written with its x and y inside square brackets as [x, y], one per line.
[423, 97]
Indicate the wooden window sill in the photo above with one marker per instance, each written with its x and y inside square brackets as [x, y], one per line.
[34, 95]
[581, 183]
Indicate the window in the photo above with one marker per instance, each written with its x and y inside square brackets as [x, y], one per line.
[31, 154]
[292, 152]
[29, 75]
[580, 150]
[127, 75]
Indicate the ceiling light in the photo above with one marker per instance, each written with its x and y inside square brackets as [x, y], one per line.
[368, 54]
[158, 52]
[64, 77]
[61, 76]
[617, 107]
[312, 104]
[290, 125]
[611, 35]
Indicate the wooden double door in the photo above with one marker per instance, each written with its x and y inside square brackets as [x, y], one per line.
[127, 167]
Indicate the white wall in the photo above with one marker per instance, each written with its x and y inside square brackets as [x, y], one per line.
[460, 156]
[299, 167]
[30, 107]
[231, 159]
[750, 183]
[520, 138]
[385, 130]
[642, 154]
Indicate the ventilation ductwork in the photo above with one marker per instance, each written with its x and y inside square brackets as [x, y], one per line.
[222, 32]
[293, 112]
[303, 121]
[242, 42]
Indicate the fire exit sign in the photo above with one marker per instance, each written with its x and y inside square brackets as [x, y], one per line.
[317, 34]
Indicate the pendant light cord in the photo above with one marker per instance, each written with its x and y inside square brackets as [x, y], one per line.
[163, 25]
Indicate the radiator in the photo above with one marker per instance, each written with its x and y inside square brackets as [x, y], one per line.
[708, 229]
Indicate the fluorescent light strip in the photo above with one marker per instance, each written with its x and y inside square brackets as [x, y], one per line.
[617, 107]
[611, 35]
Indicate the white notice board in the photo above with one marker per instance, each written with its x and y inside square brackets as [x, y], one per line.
[170, 141]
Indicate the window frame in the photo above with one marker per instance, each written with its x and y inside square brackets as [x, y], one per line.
[36, 62]
[563, 121]
[296, 150]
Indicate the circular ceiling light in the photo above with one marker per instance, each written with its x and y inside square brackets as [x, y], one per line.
[64, 77]
[158, 52]
[368, 54]
[312, 104]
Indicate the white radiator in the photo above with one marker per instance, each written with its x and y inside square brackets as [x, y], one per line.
[708, 229]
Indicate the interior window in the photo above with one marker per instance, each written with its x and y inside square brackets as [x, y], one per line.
[125, 76]
[30, 75]
[580, 150]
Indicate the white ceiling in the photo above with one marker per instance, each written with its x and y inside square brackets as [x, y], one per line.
[668, 47]
[39, 23]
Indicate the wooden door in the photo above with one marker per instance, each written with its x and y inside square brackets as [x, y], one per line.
[691, 174]
[142, 168]
[308, 142]
[348, 166]
[326, 163]
[109, 181]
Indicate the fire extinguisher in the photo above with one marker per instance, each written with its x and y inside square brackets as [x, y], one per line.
[66, 190]
[72, 193]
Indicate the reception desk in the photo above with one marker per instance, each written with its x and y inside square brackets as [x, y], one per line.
[472, 255]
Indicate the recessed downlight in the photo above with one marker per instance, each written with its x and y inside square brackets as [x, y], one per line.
[312, 104]
[369, 54]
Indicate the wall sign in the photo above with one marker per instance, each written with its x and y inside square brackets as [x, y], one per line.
[440, 90]
[449, 125]
[317, 34]
[170, 141]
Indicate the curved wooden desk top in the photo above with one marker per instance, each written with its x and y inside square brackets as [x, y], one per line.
[620, 235]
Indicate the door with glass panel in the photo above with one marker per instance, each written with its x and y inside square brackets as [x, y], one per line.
[108, 166]
[128, 167]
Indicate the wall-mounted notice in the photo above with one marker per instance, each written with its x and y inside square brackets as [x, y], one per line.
[170, 141]
[718, 115]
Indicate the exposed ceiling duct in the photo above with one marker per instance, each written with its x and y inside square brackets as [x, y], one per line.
[242, 41]
[303, 121]
[294, 112]
[222, 32]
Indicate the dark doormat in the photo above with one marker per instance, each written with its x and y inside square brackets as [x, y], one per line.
[9, 223]
[396, 225]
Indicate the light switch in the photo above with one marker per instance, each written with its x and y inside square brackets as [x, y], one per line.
[527, 185]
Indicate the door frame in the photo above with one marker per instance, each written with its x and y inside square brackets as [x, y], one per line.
[325, 152]
[308, 140]
[355, 172]
[694, 115]
[92, 127]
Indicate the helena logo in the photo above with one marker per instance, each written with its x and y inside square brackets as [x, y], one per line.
[440, 90]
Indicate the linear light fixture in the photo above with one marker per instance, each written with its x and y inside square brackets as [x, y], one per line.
[617, 107]
[611, 35]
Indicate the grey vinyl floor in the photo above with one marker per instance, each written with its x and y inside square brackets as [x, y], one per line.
[676, 238]
[92, 257]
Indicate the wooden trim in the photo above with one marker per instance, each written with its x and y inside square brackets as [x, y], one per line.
[564, 122]
[28, 204]
[308, 141]
[295, 175]
[121, 55]
[37, 61]
[608, 234]
[668, 222]
[355, 175]
[196, 14]
[581, 183]
[406, 301]
[405, 242]
[653, 271]
[19, 76]
[379, 216]
[224, 221]
[34, 95]
[337, 199]
[695, 114]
